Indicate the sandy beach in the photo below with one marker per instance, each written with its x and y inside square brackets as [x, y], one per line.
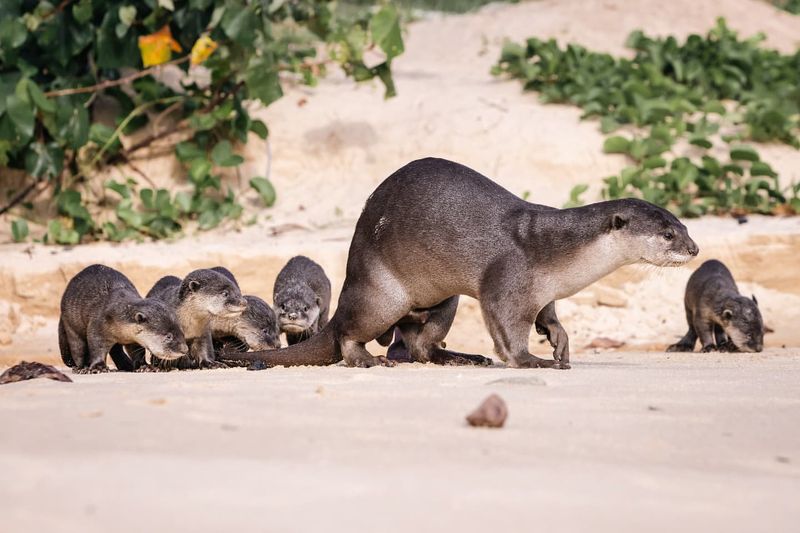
[630, 439]
[622, 442]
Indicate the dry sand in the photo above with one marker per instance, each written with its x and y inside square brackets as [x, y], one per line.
[386, 449]
[633, 442]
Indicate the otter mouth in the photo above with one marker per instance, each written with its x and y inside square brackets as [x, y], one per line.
[169, 356]
[232, 311]
[293, 327]
[670, 262]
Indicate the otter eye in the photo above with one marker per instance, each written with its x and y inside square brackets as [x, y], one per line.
[305, 309]
[225, 294]
[669, 235]
[168, 337]
[283, 307]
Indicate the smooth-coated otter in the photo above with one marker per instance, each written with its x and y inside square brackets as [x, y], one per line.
[436, 229]
[722, 318]
[255, 329]
[101, 310]
[302, 299]
[202, 295]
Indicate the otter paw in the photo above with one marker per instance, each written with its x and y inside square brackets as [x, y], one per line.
[534, 362]
[370, 361]
[562, 365]
[709, 348]
[258, 365]
[678, 347]
[212, 365]
[97, 369]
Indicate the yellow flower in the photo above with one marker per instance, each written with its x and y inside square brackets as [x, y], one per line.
[203, 47]
[157, 47]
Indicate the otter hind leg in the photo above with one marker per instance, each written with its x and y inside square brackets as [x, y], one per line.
[686, 344]
[63, 344]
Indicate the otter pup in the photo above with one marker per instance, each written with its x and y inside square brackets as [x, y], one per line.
[717, 312]
[202, 295]
[436, 229]
[302, 297]
[255, 329]
[102, 310]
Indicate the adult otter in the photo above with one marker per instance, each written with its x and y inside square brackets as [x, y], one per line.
[717, 312]
[436, 229]
[201, 295]
[101, 310]
[302, 298]
[255, 329]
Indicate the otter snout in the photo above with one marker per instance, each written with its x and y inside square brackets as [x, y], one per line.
[236, 306]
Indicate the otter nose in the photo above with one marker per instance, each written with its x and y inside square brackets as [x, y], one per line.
[693, 249]
[292, 316]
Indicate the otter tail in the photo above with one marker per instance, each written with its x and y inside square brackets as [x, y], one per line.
[63, 345]
[321, 349]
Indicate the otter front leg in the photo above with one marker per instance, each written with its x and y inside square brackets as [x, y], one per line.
[705, 331]
[547, 323]
[202, 351]
[98, 349]
[510, 332]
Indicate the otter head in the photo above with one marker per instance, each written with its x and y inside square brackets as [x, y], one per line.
[652, 235]
[297, 308]
[155, 326]
[258, 326]
[213, 292]
[742, 323]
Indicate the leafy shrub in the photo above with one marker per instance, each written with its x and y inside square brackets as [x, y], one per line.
[60, 61]
[675, 91]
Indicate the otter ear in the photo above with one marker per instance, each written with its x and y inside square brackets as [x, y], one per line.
[194, 285]
[318, 300]
[139, 317]
[618, 221]
[727, 314]
[754, 299]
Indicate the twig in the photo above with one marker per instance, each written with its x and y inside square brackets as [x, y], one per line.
[114, 83]
[20, 196]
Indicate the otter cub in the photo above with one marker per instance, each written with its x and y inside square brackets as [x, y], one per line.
[255, 329]
[717, 312]
[101, 310]
[302, 298]
[197, 299]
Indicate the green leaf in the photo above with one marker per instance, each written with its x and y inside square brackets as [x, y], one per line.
[259, 128]
[759, 168]
[700, 141]
[127, 15]
[58, 234]
[73, 123]
[183, 201]
[265, 189]
[240, 25]
[202, 121]
[120, 188]
[199, 169]
[19, 230]
[100, 134]
[222, 154]
[82, 11]
[13, 34]
[744, 153]
[187, 151]
[616, 145]
[261, 80]
[42, 102]
[44, 160]
[385, 26]
[167, 4]
[21, 115]
[655, 161]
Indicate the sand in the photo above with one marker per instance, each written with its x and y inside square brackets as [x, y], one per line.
[632, 442]
[628, 439]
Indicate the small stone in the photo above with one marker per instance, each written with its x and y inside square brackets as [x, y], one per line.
[491, 413]
[605, 343]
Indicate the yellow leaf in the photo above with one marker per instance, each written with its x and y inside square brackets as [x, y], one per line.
[203, 47]
[157, 47]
